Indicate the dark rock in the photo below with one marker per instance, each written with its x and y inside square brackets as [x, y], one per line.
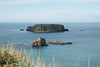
[61, 43]
[66, 30]
[46, 28]
[21, 29]
[81, 30]
[40, 42]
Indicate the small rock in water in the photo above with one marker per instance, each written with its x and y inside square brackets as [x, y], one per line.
[81, 30]
[61, 43]
[21, 29]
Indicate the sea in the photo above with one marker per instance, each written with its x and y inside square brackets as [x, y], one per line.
[84, 52]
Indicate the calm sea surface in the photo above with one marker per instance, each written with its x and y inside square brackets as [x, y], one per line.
[85, 43]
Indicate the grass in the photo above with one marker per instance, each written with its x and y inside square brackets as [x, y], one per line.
[11, 57]
[88, 64]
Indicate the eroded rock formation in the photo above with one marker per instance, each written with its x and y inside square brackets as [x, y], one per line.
[40, 42]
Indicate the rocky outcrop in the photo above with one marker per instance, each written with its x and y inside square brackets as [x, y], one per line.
[21, 29]
[81, 30]
[61, 43]
[46, 28]
[40, 42]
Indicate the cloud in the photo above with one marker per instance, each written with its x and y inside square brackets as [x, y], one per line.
[52, 16]
[14, 2]
[84, 1]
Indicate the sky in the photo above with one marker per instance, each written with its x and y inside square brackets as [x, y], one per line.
[49, 10]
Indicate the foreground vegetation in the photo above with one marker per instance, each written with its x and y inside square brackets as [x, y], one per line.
[11, 57]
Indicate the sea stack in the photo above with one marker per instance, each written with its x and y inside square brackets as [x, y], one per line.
[39, 42]
[46, 28]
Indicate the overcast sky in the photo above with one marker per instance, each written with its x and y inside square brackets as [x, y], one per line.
[49, 10]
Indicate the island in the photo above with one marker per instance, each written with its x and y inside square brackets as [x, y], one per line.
[46, 28]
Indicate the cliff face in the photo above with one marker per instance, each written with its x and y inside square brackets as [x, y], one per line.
[46, 28]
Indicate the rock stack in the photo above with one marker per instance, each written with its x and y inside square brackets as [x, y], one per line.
[40, 42]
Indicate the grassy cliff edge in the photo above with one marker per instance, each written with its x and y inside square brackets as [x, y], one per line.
[11, 57]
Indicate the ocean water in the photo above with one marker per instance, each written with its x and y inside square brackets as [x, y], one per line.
[85, 43]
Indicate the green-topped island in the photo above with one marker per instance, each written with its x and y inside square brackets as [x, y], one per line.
[46, 28]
